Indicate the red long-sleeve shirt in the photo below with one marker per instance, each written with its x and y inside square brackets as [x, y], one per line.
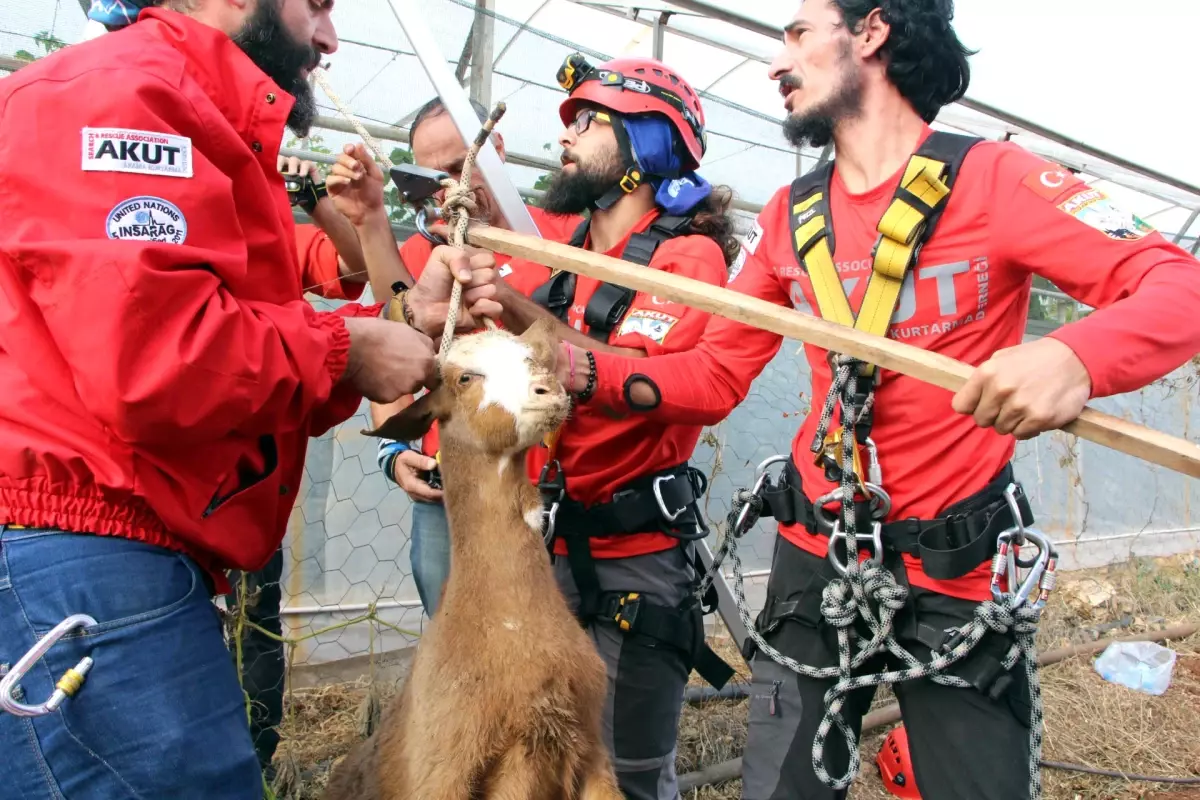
[160, 371]
[1011, 215]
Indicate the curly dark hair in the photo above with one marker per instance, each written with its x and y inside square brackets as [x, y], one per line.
[926, 61]
[713, 219]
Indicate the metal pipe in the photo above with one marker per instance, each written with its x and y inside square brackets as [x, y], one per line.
[508, 200]
[347, 608]
[774, 33]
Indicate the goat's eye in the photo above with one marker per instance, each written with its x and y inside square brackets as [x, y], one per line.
[465, 378]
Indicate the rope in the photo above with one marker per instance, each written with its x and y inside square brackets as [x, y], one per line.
[459, 200]
[869, 592]
[847, 599]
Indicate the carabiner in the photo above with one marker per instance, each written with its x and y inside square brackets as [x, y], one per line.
[881, 504]
[422, 225]
[1041, 568]
[67, 685]
[758, 487]
[875, 537]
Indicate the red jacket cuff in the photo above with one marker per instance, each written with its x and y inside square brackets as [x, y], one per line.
[611, 374]
[338, 355]
[1089, 349]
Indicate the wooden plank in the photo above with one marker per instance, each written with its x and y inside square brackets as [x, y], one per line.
[1149, 445]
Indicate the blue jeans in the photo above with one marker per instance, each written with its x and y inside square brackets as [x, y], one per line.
[430, 552]
[159, 715]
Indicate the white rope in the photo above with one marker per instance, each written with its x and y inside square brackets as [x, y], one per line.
[459, 200]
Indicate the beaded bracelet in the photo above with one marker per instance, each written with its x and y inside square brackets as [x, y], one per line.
[590, 389]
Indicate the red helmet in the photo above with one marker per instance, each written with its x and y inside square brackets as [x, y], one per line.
[635, 86]
[895, 765]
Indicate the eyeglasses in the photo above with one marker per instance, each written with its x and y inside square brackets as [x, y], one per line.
[583, 120]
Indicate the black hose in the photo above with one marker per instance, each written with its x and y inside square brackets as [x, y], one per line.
[1122, 775]
[731, 691]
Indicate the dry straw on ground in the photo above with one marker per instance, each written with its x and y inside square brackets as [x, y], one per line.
[1088, 720]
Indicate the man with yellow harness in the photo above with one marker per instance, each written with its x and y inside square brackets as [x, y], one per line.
[932, 239]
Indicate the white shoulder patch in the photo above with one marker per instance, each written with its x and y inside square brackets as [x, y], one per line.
[753, 237]
[735, 268]
[144, 152]
[147, 219]
[652, 324]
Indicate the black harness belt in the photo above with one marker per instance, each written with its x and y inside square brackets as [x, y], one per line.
[950, 546]
[665, 502]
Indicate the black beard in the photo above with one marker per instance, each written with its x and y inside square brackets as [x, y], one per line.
[815, 126]
[270, 45]
[579, 192]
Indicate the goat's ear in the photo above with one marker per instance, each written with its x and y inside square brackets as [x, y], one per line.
[416, 419]
[542, 339]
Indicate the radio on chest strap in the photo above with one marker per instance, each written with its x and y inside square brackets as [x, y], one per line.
[905, 227]
[609, 302]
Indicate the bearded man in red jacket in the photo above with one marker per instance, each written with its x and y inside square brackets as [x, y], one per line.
[160, 375]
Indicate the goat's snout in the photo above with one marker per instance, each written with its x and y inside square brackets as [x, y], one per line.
[544, 388]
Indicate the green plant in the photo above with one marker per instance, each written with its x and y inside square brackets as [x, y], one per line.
[44, 39]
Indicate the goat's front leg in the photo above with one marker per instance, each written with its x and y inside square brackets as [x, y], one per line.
[518, 777]
[599, 782]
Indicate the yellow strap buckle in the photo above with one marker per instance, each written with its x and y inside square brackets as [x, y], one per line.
[627, 611]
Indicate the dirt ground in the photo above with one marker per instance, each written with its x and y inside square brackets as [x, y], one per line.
[1088, 720]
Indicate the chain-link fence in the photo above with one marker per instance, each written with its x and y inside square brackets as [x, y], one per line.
[339, 604]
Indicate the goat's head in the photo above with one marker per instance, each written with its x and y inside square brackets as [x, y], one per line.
[498, 393]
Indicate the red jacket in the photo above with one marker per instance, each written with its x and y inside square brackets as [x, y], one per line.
[1011, 215]
[160, 373]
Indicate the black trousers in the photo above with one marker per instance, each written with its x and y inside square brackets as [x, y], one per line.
[966, 744]
[263, 661]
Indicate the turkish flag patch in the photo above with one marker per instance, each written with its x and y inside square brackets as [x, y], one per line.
[1052, 182]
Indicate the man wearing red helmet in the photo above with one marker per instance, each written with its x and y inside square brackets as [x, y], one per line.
[621, 500]
[934, 240]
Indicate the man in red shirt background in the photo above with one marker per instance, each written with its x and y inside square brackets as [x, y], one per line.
[331, 260]
[160, 376]
[621, 497]
[869, 76]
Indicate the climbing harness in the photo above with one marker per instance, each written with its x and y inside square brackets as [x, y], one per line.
[68, 685]
[967, 535]
[459, 203]
[610, 302]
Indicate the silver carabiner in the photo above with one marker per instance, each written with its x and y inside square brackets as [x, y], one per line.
[1040, 574]
[881, 504]
[875, 538]
[758, 486]
[874, 471]
[67, 685]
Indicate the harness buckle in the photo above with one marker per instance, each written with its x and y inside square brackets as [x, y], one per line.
[627, 611]
[669, 516]
[553, 490]
[67, 685]
[874, 538]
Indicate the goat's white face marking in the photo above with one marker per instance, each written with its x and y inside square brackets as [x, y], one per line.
[503, 363]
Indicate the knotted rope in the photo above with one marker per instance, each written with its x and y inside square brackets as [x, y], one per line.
[459, 202]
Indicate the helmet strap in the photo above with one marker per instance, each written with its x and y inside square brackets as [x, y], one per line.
[633, 176]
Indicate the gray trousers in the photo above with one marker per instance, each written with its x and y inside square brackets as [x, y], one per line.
[646, 678]
[966, 744]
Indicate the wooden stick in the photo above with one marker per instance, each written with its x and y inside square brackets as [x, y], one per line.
[1141, 442]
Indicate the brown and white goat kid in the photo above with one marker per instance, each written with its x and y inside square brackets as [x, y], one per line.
[506, 692]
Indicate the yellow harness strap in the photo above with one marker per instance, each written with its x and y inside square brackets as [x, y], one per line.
[922, 191]
[920, 194]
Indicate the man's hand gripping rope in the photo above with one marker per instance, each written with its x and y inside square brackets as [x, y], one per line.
[459, 202]
[868, 591]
